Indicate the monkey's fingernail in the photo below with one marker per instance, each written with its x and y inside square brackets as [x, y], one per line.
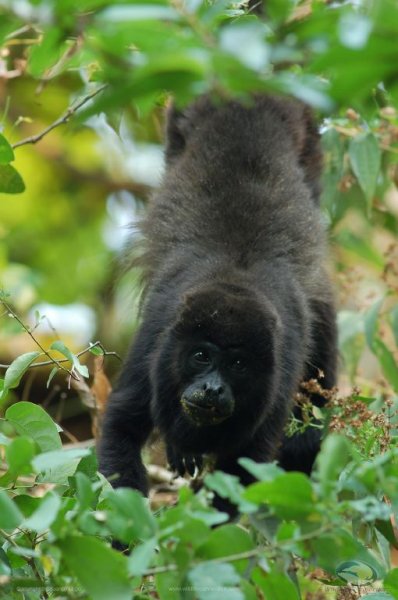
[199, 463]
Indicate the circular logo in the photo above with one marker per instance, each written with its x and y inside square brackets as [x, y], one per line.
[356, 572]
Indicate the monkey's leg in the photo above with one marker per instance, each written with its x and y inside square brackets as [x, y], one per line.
[298, 452]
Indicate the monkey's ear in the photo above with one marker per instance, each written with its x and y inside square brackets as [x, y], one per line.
[304, 131]
[299, 120]
[181, 124]
[309, 150]
[177, 129]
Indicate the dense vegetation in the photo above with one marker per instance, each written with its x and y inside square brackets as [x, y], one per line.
[82, 88]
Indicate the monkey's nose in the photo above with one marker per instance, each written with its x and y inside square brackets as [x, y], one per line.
[210, 389]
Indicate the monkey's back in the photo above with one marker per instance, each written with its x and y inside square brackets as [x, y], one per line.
[240, 188]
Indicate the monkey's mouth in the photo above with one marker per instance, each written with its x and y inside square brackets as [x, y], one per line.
[203, 414]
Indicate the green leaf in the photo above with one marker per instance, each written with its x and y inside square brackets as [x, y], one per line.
[141, 557]
[275, 585]
[207, 579]
[306, 88]
[84, 491]
[10, 515]
[365, 157]
[190, 530]
[228, 486]
[5, 567]
[224, 541]
[167, 584]
[140, 12]
[19, 455]
[261, 471]
[32, 420]
[333, 148]
[45, 514]
[27, 504]
[248, 589]
[278, 10]
[17, 368]
[330, 462]
[354, 30]
[245, 39]
[387, 530]
[360, 247]
[10, 180]
[130, 517]
[351, 339]
[290, 495]
[59, 458]
[96, 350]
[371, 323]
[53, 372]
[391, 583]
[370, 509]
[45, 54]
[387, 362]
[6, 152]
[109, 579]
[89, 465]
[60, 347]
[385, 356]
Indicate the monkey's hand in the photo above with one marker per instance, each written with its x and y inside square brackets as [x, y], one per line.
[181, 463]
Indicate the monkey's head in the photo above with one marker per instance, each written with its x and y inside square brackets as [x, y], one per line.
[225, 353]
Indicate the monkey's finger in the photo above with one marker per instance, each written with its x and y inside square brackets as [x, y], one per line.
[176, 465]
[190, 464]
[199, 463]
[180, 467]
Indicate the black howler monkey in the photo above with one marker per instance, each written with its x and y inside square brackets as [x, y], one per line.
[238, 307]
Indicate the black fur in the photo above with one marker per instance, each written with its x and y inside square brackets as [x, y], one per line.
[234, 257]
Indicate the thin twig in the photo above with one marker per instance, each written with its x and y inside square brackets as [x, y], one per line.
[204, 34]
[45, 363]
[8, 537]
[242, 555]
[36, 341]
[19, 31]
[57, 68]
[33, 139]
[29, 559]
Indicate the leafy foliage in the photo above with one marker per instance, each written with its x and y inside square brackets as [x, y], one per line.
[313, 526]
[64, 63]
[10, 180]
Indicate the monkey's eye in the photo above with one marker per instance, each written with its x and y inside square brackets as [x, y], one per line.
[238, 365]
[201, 357]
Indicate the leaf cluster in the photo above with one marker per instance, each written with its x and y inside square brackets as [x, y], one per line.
[335, 527]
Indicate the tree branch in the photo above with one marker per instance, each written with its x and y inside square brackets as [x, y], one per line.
[33, 139]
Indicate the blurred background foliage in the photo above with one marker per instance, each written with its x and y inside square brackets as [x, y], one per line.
[86, 181]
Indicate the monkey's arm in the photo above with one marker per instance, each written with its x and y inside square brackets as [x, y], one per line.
[126, 428]
[128, 423]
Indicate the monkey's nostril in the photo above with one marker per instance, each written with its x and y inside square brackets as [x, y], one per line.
[220, 390]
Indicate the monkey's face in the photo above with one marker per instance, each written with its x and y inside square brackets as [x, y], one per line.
[225, 357]
[209, 398]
